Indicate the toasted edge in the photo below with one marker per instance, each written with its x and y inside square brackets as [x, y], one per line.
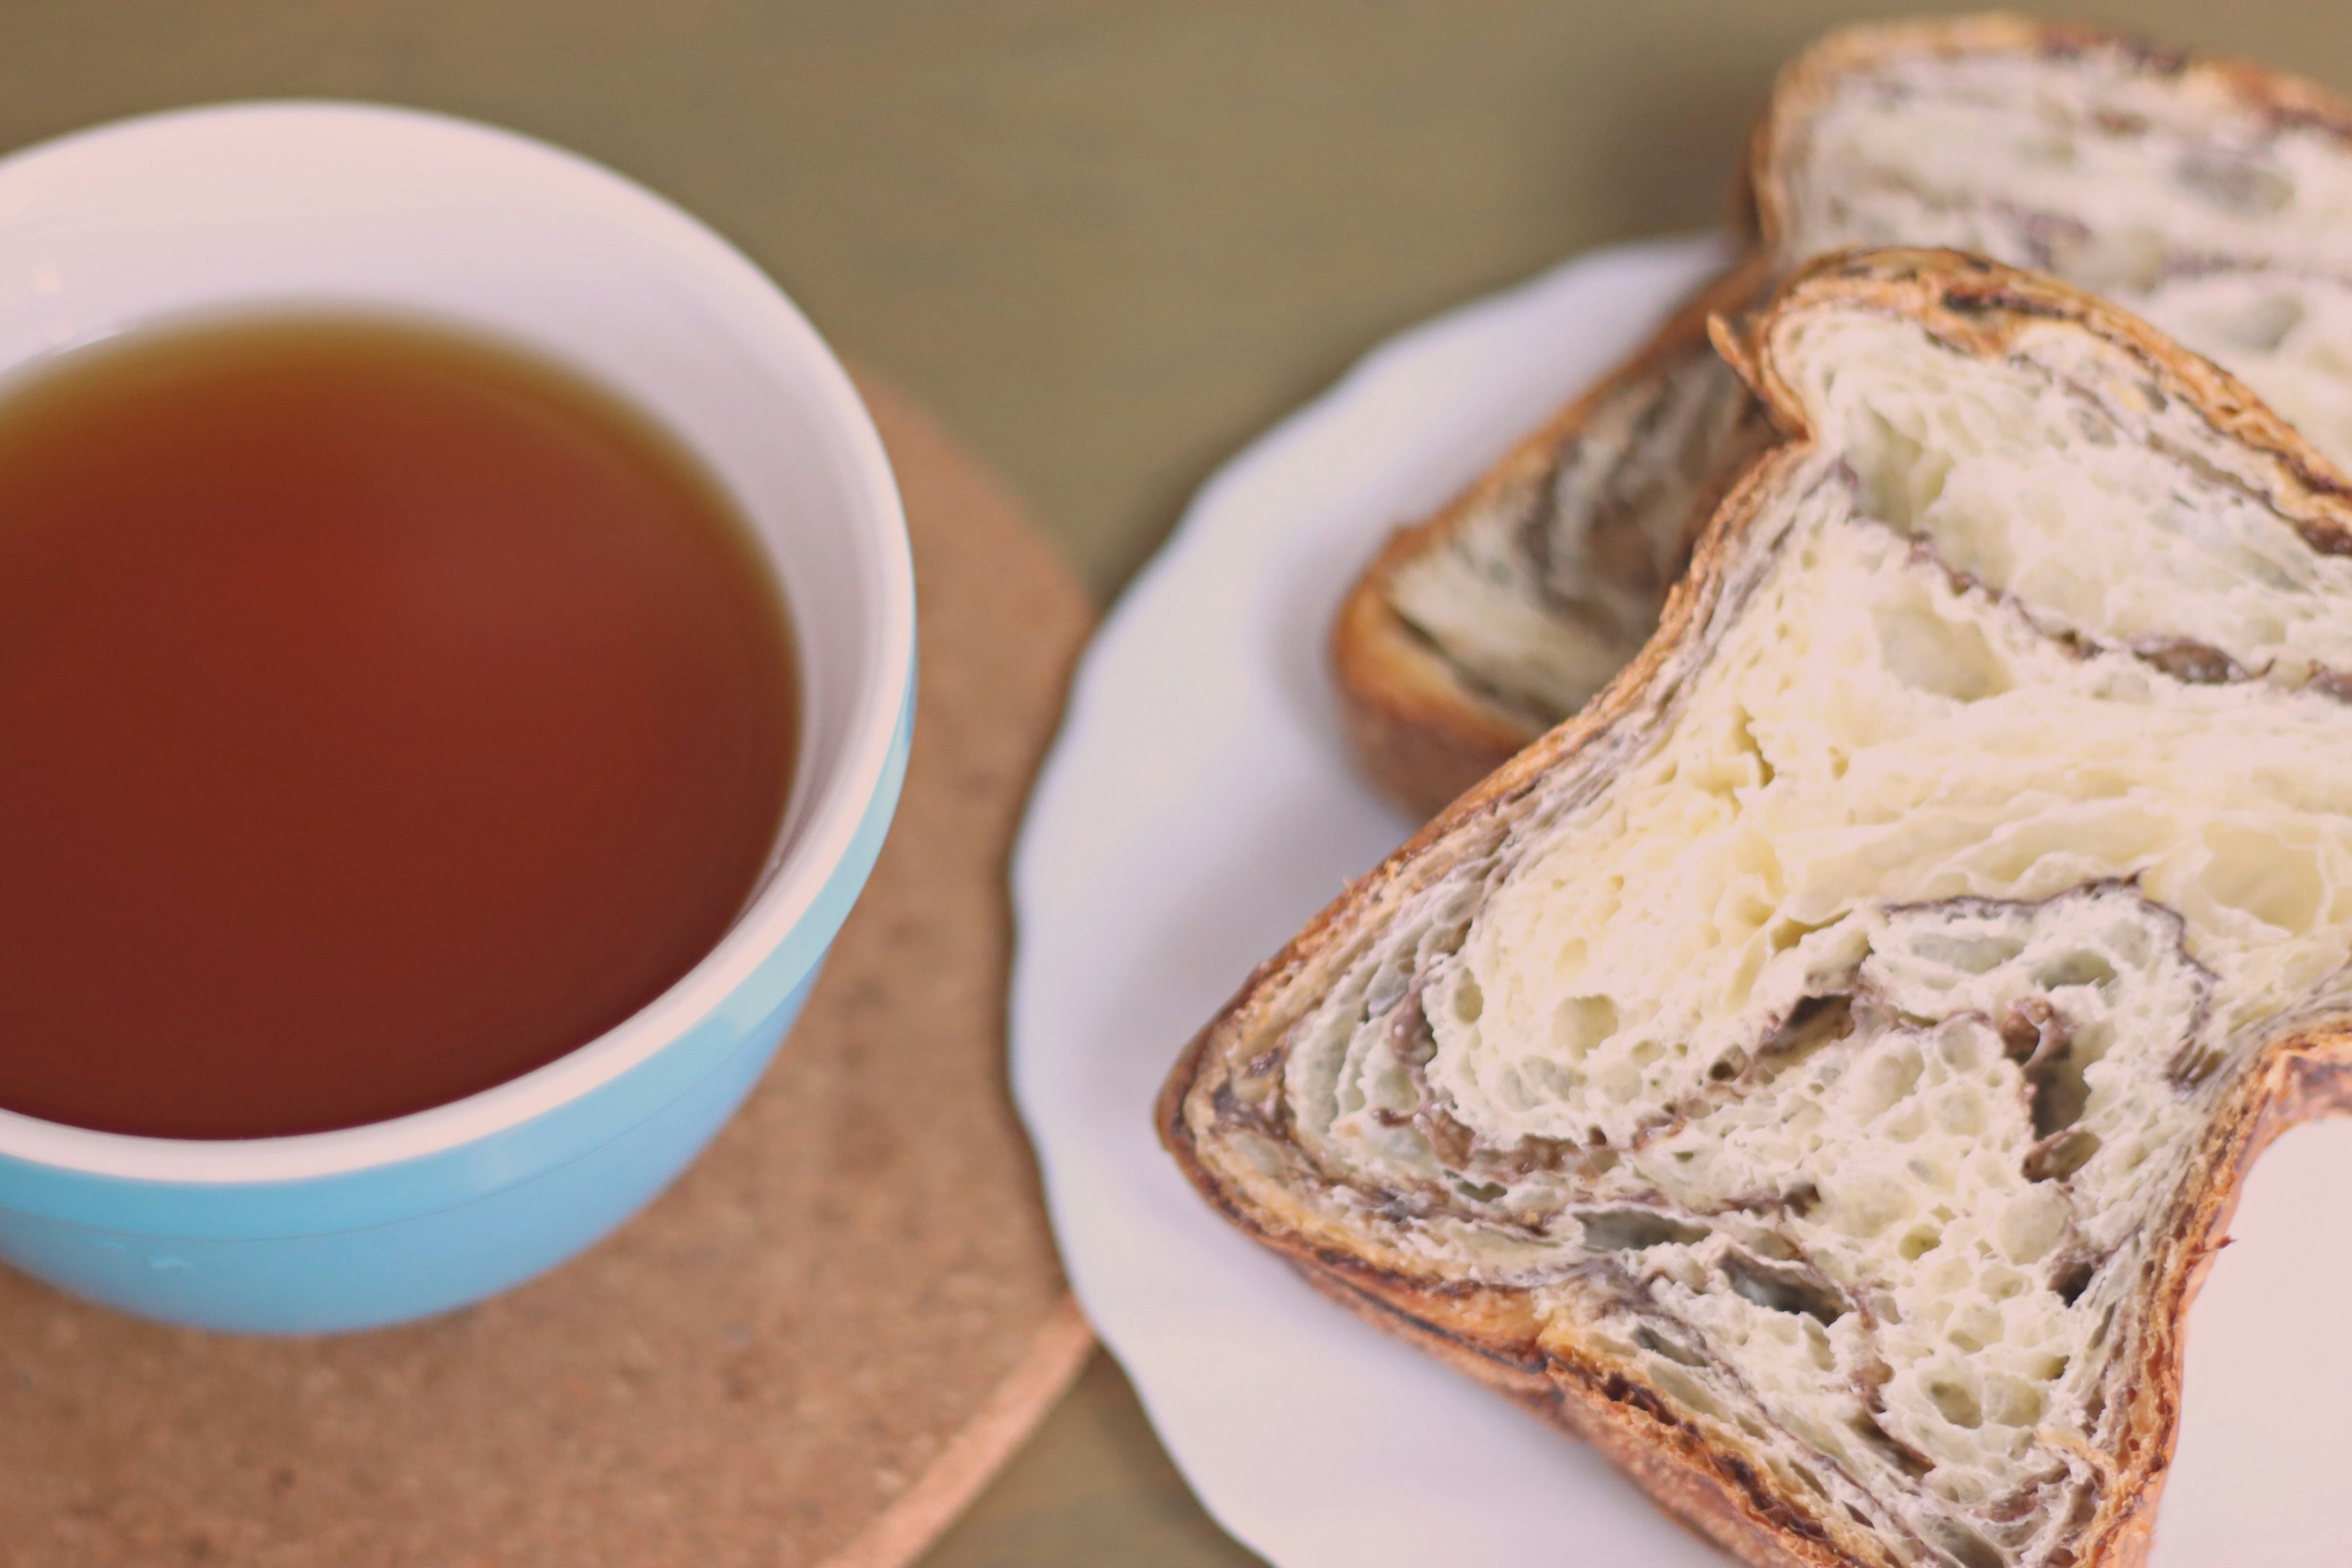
[1423, 729]
[1491, 1331]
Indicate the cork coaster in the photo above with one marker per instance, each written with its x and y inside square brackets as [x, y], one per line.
[812, 1350]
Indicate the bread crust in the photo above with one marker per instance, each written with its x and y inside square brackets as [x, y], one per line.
[1494, 1332]
[1422, 731]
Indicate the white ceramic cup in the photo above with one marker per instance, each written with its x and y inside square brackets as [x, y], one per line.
[245, 208]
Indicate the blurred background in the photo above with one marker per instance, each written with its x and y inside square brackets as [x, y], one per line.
[1105, 242]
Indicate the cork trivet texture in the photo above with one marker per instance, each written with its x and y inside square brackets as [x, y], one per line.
[812, 1350]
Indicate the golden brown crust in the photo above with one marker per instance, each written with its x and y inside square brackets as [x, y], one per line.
[1419, 731]
[1979, 306]
[1493, 1332]
[1422, 729]
[1640, 1439]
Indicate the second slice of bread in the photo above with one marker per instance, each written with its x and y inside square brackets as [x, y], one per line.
[2212, 197]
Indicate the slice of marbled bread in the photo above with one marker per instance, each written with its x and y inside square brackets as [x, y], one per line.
[1818, 1072]
[2212, 198]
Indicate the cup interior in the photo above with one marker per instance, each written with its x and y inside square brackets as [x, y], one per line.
[248, 208]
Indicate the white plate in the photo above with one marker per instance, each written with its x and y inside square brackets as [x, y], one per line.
[1200, 806]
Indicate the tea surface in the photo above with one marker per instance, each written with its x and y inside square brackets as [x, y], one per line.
[383, 713]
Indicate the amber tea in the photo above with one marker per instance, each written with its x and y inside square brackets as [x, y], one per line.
[383, 713]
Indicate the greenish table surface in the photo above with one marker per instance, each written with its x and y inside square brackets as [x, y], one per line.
[1105, 242]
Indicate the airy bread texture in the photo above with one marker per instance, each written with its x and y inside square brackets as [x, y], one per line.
[1819, 1072]
[2213, 199]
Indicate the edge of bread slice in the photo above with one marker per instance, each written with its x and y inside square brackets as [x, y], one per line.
[1509, 1295]
[1473, 632]
[1645, 448]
